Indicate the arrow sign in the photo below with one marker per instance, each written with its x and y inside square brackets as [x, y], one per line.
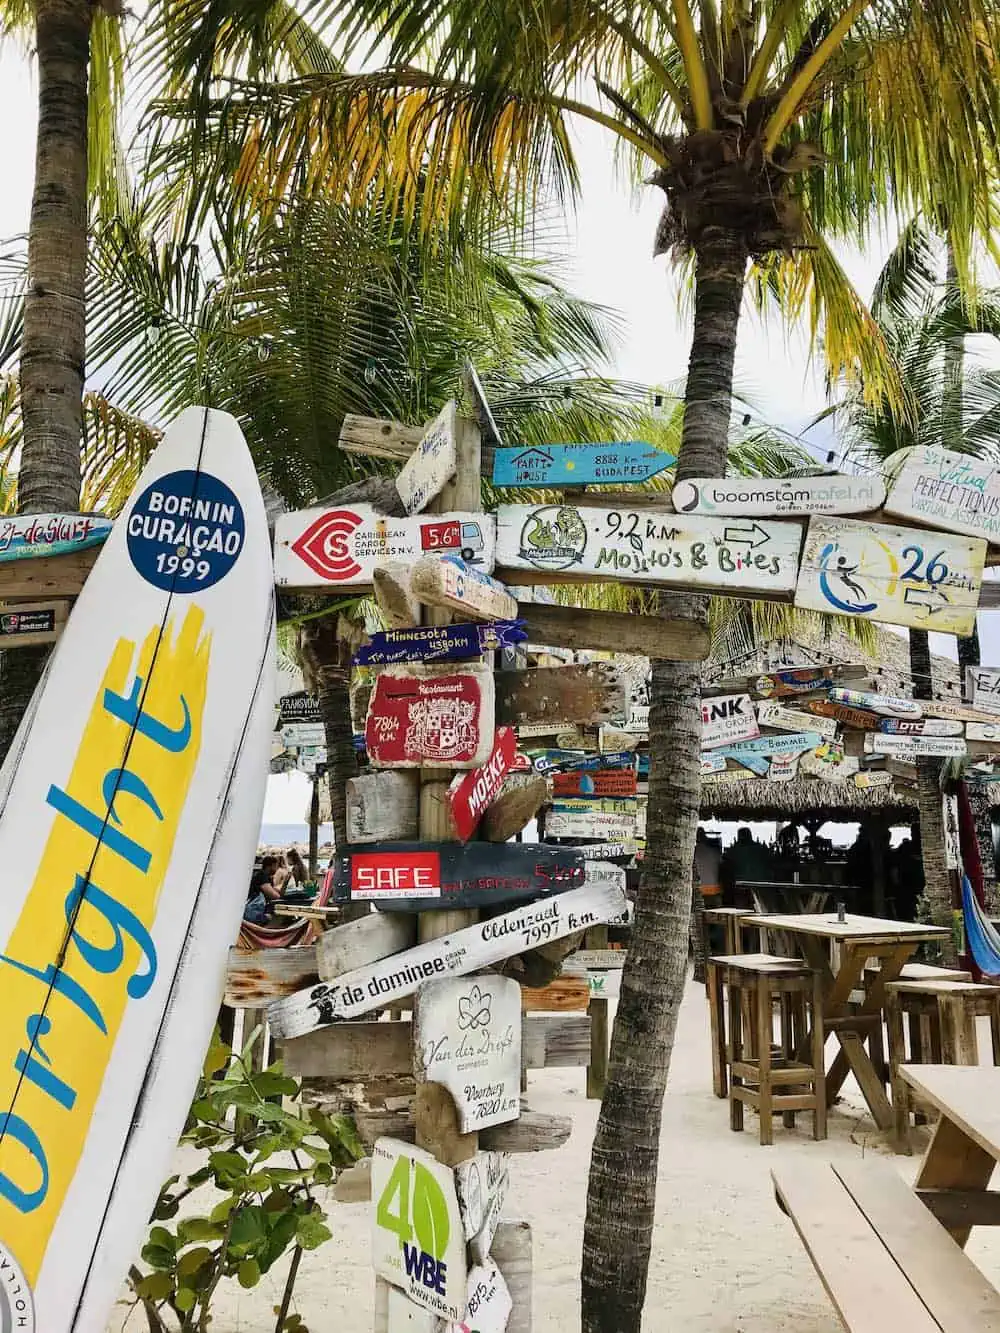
[579, 464]
[932, 598]
[437, 643]
[470, 793]
[751, 534]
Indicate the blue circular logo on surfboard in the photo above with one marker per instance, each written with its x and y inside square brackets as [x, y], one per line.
[185, 532]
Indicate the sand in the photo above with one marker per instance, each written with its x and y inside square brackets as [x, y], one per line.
[725, 1260]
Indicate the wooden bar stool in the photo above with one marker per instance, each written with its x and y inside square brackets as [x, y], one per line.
[940, 1028]
[770, 1081]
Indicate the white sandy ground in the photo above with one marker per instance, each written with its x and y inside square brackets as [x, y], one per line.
[725, 1260]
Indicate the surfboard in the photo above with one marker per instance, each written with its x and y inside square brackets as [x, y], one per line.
[129, 814]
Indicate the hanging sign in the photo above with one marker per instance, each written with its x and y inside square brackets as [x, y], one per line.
[983, 686]
[438, 643]
[467, 1037]
[606, 825]
[795, 743]
[791, 719]
[759, 496]
[623, 463]
[432, 717]
[470, 793]
[488, 1301]
[901, 576]
[872, 779]
[432, 464]
[382, 806]
[481, 1183]
[920, 726]
[648, 546]
[712, 763]
[426, 876]
[469, 950]
[595, 782]
[417, 1240]
[25, 535]
[321, 548]
[884, 704]
[299, 707]
[941, 489]
[938, 747]
[726, 718]
[861, 718]
[299, 734]
[586, 695]
[783, 768]
[452, 583]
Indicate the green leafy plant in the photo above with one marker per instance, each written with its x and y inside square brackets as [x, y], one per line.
[265, 1165]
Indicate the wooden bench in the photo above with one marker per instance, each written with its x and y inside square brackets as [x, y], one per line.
[885, 1261]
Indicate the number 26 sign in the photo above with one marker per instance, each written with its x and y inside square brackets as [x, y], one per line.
[902, 576]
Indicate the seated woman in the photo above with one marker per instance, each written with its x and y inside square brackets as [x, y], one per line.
[262, 891]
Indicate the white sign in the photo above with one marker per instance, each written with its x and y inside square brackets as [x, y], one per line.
[829, 763]
[872, 778]
[982, 731]
[467, 1037]
[941, 747]
[481, 1183]
[584, 824]
[309, 734]
[945, 490]
[432, 464]
[726, 718]
[886, 704]
[713, 763]
[417, 1240]
[452, 583]
[489, 1302]
[832, 494]
[783, 768]
[342, 547]
[983, 684]
[604, 985]
[649, 546]
[772, 714]
[901, 576]
[468, 950]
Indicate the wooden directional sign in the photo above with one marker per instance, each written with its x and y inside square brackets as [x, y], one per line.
[488, 1302]
[431, 717]
[481, 1183]
[452, 583]
[595, 782]
[946, 490]
[587, 695]
[872, 779]
[983, 684]
[608, 805]
[771, 714]
[432, 464]
[788, 682]
[437, 643]
[982, 731]
[945, 708]
[608, 851]
[297, 734]
[886, 705]
[467, 1037]
[606, 825]
[299, 707]
[836, 493]
[561, 465]
[920, 726]
[383, 806]
[469, 950]
[795, 743]
[713, 763]
[542, 543]
[341, 547]
[471, 793]
[25, 536]
[431, 876]
[930, 746]
[565, 761]
[861, 718]
[730, 775]
[783, 768]
[726, 718]
[29, 624]
[902, 576]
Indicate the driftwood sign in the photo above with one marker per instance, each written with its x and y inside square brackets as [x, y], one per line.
[595, 782]
[481, 1183]
[457, 586]
[738, 557]
[622, 463]
[382, 806]
[945, 490]
[789, 682]
[862, 718]
[886, 705]
[586, 695]
[383, 983]
[772, 714]
[438, 643]
[839, 493]
[431, 717]
[920, 726]
[983, 684]
[938, 747]
[432, 464]
[471, 793]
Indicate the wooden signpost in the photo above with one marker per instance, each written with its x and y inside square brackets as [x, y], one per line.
[430, 717]
[838, 493]
[595, 782]
[885, 705]
[901, 576]
[945, 490]
[341, 547]
[471, 793]
[437, 643]
[467, 1036]
[726, 718]
[562, 465]
[425, 876]
[383, 806]
[557, 543]
[794, 743]
[938, 747]
[983, 687]
[30, 623]
[872, 779]
[615, 631]
[432, 464]
[451, 583]
[770, 714]
[587, 695]
[861, 718]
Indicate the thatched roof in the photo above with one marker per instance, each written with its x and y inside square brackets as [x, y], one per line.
[760, 799]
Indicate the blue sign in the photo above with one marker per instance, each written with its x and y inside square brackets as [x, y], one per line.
[744, 751]
[628, 461]
[439, 643]
[185, 531]
[565, 761]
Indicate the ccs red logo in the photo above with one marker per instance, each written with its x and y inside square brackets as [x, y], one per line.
[325, 546]
[395, 875]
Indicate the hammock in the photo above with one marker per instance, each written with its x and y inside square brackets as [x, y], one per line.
[983, 940]
[303, 931]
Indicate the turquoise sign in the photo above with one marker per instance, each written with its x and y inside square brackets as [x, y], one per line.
[25, 535]
[627, 461]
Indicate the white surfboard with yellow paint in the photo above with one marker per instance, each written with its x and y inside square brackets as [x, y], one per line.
[129, 813]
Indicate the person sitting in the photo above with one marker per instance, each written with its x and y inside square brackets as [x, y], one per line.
[262, 891]
[297, 876]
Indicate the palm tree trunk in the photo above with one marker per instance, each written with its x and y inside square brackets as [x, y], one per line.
[327, 664]
[53, 343]
[937, 878]
[622, 1188]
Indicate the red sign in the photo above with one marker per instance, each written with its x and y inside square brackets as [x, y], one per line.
[379, 875]
[470, 794]
[595, 782]
[325, 545]
[431, 717]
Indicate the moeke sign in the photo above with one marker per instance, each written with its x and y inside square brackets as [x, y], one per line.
[471, 793]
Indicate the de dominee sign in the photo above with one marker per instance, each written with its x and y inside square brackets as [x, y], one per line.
[838, 494]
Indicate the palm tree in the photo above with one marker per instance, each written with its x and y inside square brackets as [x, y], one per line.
[953, 403]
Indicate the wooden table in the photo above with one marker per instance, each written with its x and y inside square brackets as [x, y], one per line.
[307, 910]
[965, 1146]
[859, 938]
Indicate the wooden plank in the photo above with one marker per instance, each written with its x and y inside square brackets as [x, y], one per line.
[941, 489]
[394, 596]
[382, 806]
[360, 943]
[958, 1209]
[374, 437]
[836, 493]
[587, 695]
[511, 1251]
[615, 632]
[564, 995]
[45, 577]
[866, 1287]
[432, 464]
[255, 978]
[28, 624]
[520, 799]
[860, 718]
[626, 462]
[535, 1131]
[45, 536]
[964, 1094]
[536, 543]
[770, 713]
[431, 716]
[899, 576]
[453, 584]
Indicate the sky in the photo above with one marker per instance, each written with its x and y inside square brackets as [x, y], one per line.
[609, 260]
